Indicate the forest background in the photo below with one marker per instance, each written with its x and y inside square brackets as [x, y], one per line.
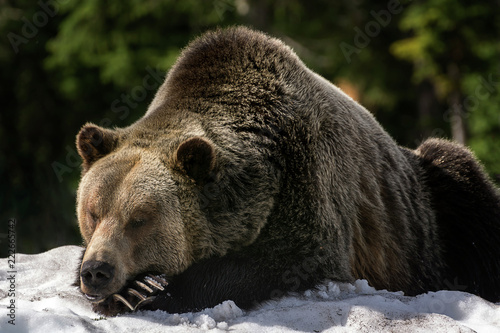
[423, 68]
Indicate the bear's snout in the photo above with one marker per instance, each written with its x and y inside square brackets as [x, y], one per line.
[96, 275]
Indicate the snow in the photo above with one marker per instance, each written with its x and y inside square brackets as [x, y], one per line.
[46, 301]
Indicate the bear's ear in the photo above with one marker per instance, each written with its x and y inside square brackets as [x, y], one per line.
[94, 142]
[196, 157]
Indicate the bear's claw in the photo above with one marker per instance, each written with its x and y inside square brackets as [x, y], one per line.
[143, 286]
[119, 298]
[156, 284]
[137, 294]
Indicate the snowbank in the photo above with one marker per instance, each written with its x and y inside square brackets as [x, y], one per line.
[45, 301]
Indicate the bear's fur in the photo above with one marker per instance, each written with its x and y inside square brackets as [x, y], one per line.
[251, 176]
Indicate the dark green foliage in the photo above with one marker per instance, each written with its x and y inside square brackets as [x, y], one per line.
[65, 63]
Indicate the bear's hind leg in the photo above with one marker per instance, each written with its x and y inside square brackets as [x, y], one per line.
[467, 207]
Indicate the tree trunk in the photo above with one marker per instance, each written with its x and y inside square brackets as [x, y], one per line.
[456, 117]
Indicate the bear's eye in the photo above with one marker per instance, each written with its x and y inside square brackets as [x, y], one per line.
[137, 223]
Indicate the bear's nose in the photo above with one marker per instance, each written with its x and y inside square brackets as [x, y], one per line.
[96, 274]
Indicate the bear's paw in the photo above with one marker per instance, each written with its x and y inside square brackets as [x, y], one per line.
[134, 296]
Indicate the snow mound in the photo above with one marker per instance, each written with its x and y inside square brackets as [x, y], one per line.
[46, 301]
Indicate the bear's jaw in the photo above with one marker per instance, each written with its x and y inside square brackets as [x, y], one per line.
[95, 298]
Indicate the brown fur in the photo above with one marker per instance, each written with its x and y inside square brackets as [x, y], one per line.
[250, 176]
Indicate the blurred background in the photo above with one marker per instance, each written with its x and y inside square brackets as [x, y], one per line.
[424, 68]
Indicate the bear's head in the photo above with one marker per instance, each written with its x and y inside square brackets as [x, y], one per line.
[132, 214]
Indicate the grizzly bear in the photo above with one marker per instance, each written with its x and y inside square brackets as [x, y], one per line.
[251, 176]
